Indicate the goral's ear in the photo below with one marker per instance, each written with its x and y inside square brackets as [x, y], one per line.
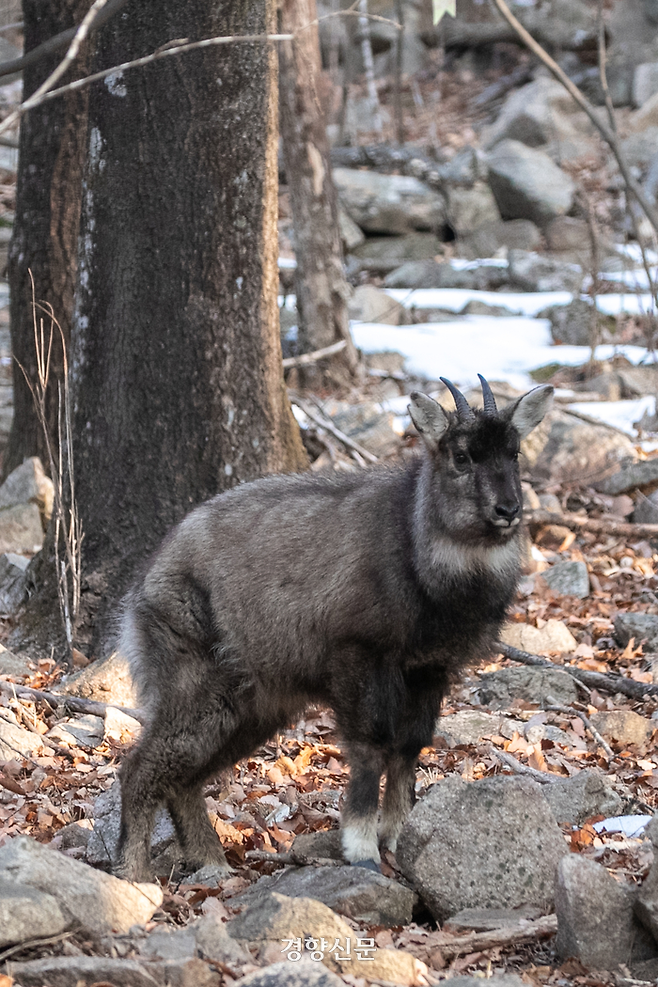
[531, 408]
[429, 418]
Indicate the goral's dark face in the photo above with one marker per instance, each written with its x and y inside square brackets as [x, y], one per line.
[477, 481]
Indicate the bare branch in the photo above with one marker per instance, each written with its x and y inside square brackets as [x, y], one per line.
[58, 41]
[76, 703]
[604, 129]
[543, 777]
[306, 358]
[475, 942]
[330, 427]
[556, 708]
[599, 526]
[595, 680]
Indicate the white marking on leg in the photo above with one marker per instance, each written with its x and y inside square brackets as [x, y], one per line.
[359, 840]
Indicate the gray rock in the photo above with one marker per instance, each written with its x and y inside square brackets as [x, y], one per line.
[371, 304]
[15, 739]
[568, 579]
[576, 799]
[120, 726]
[274, 918]
[83, 971]
[26, 913]
[351, 235]
[429, 274]
[623, 726]
[413, 246]
[537, 114]
[470, 208]
[102, 849]
[533, 685]
[641, 626]
[14, 665]
[595, 916]
[371, 427]
[28, 484]
[73, 835]
[21, 530]
[388, 203]
[87, 730]
[468, 726]
[646, 509]
[108, 681]
[98, 902]
[169, 944]
[477, 307]
[13, 581]
[564, 448]
[305, 973]
[486, 844]
[323, 844]
[352, 891]
[487, 919]
[630, 477]
[488, 239]
[553, 636]
[527, 184]
[646, 903]
[570, 324]
[535, 272]
[567, 233]
[640, 149]
[214, 943]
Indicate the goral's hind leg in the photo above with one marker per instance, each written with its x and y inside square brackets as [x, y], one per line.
[398, 799]
[359, 815]
[201, 846]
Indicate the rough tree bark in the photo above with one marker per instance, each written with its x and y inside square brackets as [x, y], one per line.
[45, 235]
[320, 285]
[176, 361]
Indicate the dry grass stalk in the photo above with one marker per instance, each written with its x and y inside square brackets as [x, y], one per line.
[68, 533]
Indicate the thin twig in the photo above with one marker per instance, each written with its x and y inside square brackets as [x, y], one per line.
[54, 77]
[569, 711]
[56, 42]
[75, 703]
[299, 859]
[305, 358]
[599, 526]
[476, 942]
[604, 129]
[608, 682]
[543, 777]
[31, 943]
[330, 427]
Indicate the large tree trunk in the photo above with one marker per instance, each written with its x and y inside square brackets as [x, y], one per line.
[176, 371]
[320, 285]
[45, 235]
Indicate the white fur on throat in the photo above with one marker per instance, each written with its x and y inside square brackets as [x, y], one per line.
[458, 559]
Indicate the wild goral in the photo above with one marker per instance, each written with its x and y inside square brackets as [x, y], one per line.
[366, 591]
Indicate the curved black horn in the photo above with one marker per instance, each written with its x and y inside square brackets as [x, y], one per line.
[490, 408]
[464, 410]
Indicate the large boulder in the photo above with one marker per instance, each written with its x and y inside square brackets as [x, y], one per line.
[491, 237]
[26, 913]
[570, 324]
[595, 917]
[371, 304]
[389, 203]
[527, 184]
[565, 448]
[532, 685]
[575, 800]
[413, 246]
[97, 902]
[471, 208]
[534, 272]
[552, 636]
[641, 626]
[539, 113]
[356, 892]
[486, 844]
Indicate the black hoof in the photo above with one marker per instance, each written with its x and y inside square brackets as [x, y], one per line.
[368, 864]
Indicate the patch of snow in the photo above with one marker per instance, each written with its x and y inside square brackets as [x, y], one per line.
[628, 825]
[503, 349]
[621, 414]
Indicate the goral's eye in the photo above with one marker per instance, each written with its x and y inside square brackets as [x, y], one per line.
[461, 459]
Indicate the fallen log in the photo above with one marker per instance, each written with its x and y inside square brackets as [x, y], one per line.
[475, 942]
[75, 703]
[606, 681]
[598, 526]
